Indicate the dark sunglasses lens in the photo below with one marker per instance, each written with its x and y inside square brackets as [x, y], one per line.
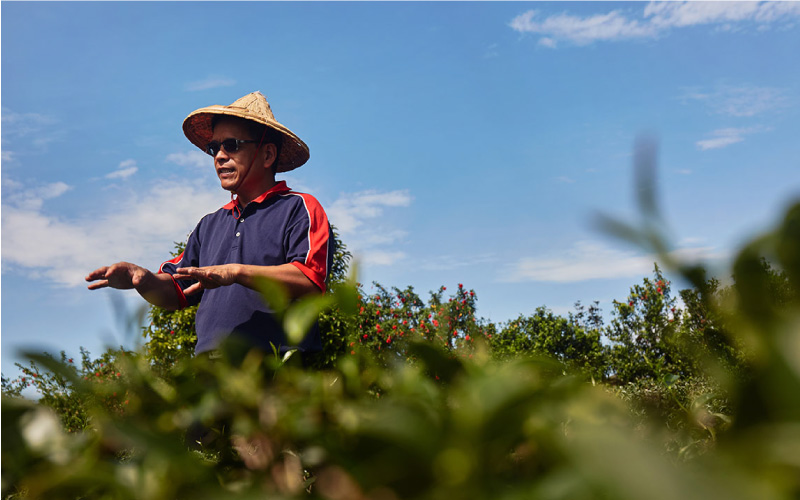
[230, 145]
[213, 148]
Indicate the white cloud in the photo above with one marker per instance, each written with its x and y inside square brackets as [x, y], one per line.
[126, 169]
[194, 158]
[350, 211]
[141, 227]
[136, 228]
[379, 257]
[656, 19]
[681, 14]
[725, 137]
[211, 82]
[588, 260]
[741, 100]
[358, 218]
[38, 128]
[450, 262]
[32, 198]
[581, 30]
[18, 124]
[548, 42]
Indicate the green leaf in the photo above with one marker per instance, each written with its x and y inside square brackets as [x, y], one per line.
[274, 294]
[301, 316]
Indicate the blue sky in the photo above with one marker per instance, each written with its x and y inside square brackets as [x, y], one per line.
[450, 142]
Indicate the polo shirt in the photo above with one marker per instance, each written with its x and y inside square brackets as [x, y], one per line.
[279, 227]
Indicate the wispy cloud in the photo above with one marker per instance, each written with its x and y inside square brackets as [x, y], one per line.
[39, 128]
[491, 51]
[351, 211]
[138, 229]
[738, 100]
[590, 260]
[725, 137]
[194, 158]
[212, 82]
[16, 194]
[135, 228]
[449, 262]
[581, 30]
[654, 20]
[357, 216]
[126, 169]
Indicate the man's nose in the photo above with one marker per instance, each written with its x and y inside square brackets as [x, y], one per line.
[221, 156]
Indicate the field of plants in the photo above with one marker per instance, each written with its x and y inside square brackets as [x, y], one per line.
[418, 398]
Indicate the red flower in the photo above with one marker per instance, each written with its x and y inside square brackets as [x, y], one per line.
[70, 360]
[435, 323]
[460, 285]
[467, 337]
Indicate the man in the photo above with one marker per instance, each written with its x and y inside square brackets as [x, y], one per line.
[266, 230]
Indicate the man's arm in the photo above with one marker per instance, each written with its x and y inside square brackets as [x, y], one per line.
[209, 277]
[158, 289]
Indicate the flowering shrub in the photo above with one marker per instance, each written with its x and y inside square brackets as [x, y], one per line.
[425, 401]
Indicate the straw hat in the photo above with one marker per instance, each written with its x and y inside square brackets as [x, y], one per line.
[253, 106]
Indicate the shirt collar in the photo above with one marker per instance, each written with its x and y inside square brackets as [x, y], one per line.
[280, 187]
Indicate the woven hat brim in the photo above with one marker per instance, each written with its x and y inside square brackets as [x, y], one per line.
[197, 127]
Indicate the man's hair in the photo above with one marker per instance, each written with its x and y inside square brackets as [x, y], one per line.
[256, 130]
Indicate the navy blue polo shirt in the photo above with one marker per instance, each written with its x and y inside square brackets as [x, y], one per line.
[278, 227]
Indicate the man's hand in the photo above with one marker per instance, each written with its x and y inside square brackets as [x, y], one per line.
[158, 289]
[207, 277]
[122, 276]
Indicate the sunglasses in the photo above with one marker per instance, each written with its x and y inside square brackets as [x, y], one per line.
[229, 145]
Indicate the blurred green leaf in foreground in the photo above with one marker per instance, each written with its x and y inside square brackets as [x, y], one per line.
[426, 402]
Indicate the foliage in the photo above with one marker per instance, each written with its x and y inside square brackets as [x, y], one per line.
[442, 426]
[564, 339]
[422, 400]
[170, 334]
[56, 388]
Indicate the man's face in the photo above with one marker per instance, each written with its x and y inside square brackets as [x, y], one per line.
[233, 169]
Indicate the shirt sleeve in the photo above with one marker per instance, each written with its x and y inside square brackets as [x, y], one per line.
[309, 241]
[188, 258]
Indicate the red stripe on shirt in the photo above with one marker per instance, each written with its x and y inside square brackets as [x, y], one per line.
[182, 301]
[315, 266]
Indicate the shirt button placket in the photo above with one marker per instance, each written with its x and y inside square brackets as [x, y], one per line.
[239, 233]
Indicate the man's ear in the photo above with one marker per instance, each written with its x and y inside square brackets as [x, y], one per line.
[270, 153]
